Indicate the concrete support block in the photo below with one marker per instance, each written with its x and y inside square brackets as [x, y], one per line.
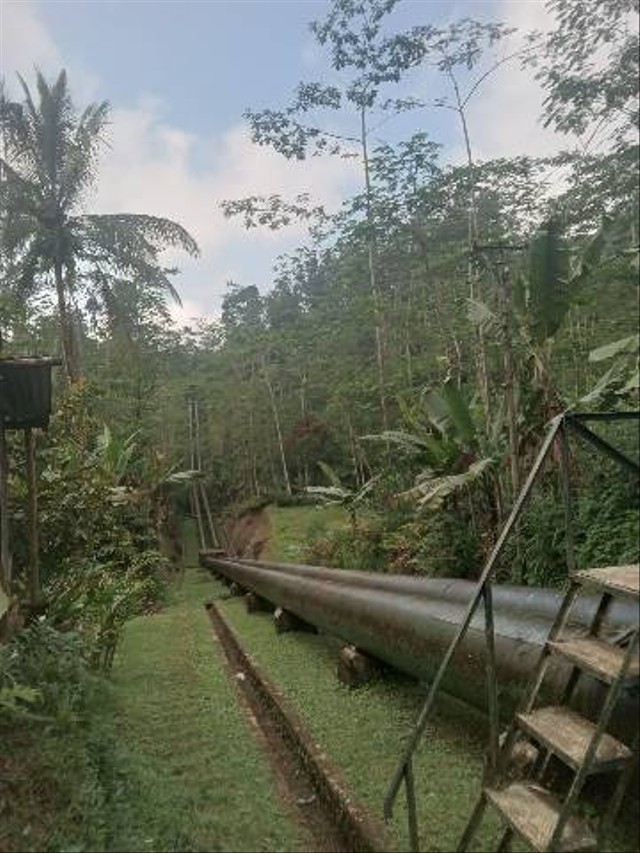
[285, 621]
[356, 668]
[257, 604]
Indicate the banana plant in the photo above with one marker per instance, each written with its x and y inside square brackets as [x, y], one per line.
[551, 281]
[338, 494]
[622, 379]
[119, 457]
[532, 312]
[454, 449]
[116, 454]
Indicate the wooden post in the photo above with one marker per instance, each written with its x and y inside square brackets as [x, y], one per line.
[32, 496]
[5, 554]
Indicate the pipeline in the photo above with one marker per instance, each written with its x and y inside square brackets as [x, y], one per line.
[520, 600]
[409, 623]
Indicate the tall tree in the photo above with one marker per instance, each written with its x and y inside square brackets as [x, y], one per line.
[590, 69]
[354, 32]
[48, 163]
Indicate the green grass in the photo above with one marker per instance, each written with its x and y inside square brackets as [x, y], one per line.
[294, 527]
[71, 785]
[175, 707]
[164, 758]
[364, 730]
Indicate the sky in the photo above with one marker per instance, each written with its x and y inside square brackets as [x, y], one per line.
[180, 73]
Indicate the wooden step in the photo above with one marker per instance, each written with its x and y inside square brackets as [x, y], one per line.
[596, 657]
[568, 735]
[617, 580]
[532, 812]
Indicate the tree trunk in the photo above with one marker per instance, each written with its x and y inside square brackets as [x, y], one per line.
[373, 284]
[276, 420]
[482, 370]
[354, 453]
[32, 501]
[66, 329]
[509, 379]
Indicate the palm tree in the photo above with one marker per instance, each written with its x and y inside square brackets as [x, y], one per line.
[47, 164]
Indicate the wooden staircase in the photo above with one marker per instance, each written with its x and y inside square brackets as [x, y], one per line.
[542, 818]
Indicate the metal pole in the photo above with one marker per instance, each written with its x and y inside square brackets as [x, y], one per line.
[602, 445]
[412, 810]
[196, 431]
[32, 496]
[492, 680]
[198, 511]
[191, 435]
[478, 596]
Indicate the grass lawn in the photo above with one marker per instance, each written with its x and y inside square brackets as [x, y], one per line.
[176, 707]
[164, 759]
[363, 730]
[294, 527]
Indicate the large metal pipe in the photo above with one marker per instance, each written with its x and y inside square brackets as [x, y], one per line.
[412, 630]
[525, 600]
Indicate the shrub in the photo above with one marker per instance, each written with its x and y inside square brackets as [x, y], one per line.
[98, 601]
[606, 527]
[434, 544]
[48, 672]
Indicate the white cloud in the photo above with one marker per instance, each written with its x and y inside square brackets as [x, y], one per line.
[190, 312]
[504, 116]
[25, 44]
[24, 41]
[149, 167]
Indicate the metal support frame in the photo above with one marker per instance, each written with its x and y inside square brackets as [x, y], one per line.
[605, 715]
[559, 429]
[600, 443]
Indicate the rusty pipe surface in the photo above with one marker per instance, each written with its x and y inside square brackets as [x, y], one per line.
[411, 630]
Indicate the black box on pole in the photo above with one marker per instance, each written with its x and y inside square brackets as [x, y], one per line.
[25, 392]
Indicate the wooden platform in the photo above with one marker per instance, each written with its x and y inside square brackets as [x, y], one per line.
[617, 580]
[596, 657]
[533, 813]
[568, 735]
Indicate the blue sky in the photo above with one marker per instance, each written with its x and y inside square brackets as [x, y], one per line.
[179, 76]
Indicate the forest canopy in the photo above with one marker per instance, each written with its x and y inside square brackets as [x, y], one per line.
[422, 335]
